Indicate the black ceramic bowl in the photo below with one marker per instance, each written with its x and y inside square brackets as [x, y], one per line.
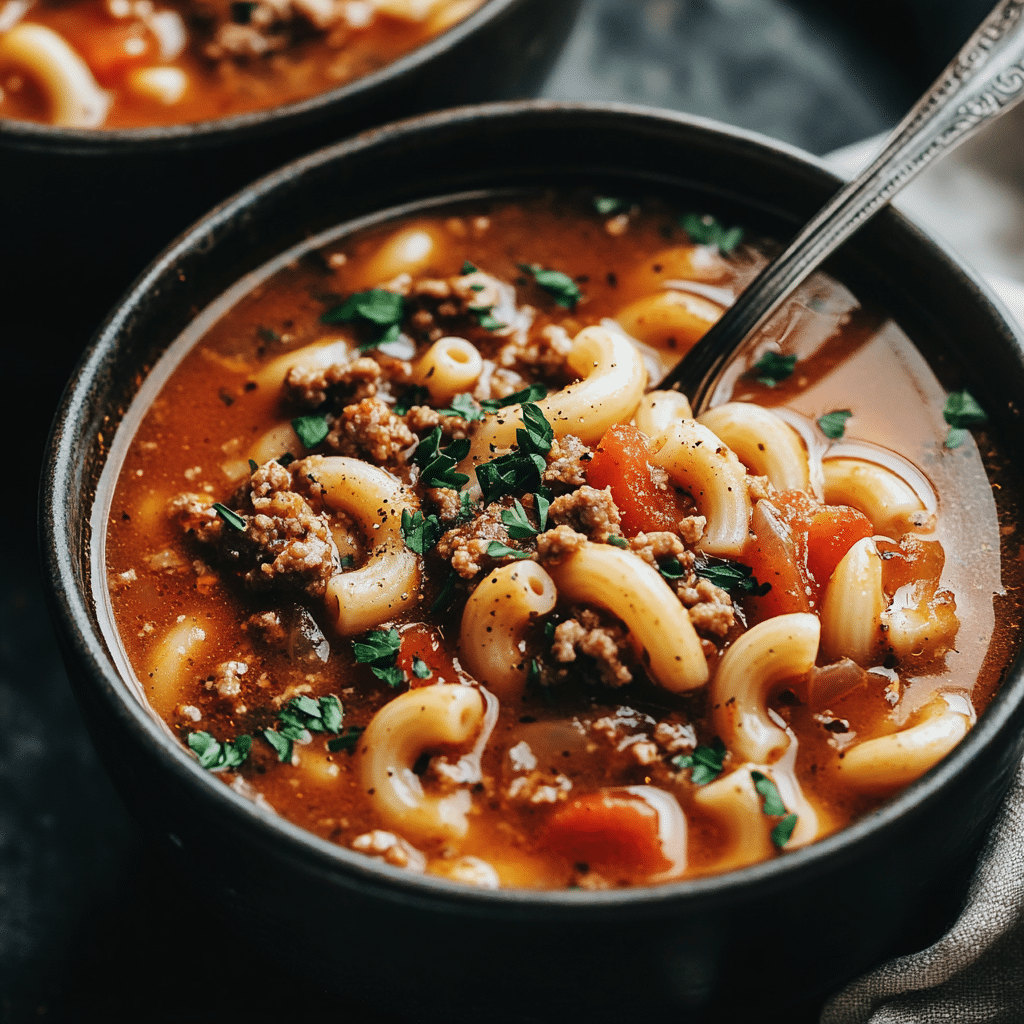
[796, 927]
[83, 210]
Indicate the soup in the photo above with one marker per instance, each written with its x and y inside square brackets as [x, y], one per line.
[406, 549]
[136, 63]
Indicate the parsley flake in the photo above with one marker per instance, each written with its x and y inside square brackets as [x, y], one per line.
[516, 471]
[468, 268]
[671, 569]
[618, 542]
[784, 829]
[961, 411]
[559, 286]
[732, 576]
[311, 429]
[253, 466]
[281, 743]
[536, 434]
[706, 230]
[833, 424]
[518, 525]
[606, 205]
[420, 669]
[439, 465]
[378, 651]
[420, 532]
[532, 393]
[379, 308]
[484, 318]
[498, 550]
[285, 460]
[347, 742]
[543, 504]
[464, 406]
[216, 755]
[416, 395]
[773, 804]
[772, 368]
[233, 519]
[446, 595]
[706, 762]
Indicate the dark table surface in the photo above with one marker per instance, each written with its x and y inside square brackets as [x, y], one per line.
[91, 921]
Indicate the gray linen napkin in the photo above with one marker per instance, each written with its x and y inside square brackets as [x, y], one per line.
[974, 201]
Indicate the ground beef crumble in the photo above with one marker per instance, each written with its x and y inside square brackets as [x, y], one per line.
[371, 431]
[466, 546]
[309, 386]
[606, 645]
[567, 462]
[284, 541]
[588, 511]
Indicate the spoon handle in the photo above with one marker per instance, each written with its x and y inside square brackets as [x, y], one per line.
[984, 80]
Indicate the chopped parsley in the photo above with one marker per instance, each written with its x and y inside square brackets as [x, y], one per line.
[732, 576]
[772, 369]
[468, 268]
[706, 762]
[532, 393]
[416, 395]
[833, 424]
[379, 650]
[233, 519]
[219, 755]
[518, 524]
[253, 466]
[671, 569]
[784, 829]
[347, 742]
[704, 229]
[485, 319]
[522, 469]
[559, 286]
[377, 308]
[420, 669]
[607, 205]
[311, 429]
[464, 406]
[285, 460]
[446, 595]
[618, 542]
[301, 716]
[507, 474]
[420, 532]
[346, 562]
[961, 411]
[439, 464]
[498, 550]
[773, 804]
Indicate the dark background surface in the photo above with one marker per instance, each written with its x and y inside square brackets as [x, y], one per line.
[93, 924]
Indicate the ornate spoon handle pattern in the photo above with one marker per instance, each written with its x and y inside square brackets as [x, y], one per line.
[985, 79]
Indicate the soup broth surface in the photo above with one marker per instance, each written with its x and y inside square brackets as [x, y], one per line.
[382, 562]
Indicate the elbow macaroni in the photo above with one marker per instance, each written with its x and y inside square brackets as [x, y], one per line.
[494, 623]
[763, 442]
[777, 649]
[388, 583]
[425, 719]
[700, 463]
[629, 588]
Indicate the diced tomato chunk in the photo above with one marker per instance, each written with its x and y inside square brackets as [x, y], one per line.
[423, 642]
[830, 535]
[774, 556]
[622, 462]
[609, 830]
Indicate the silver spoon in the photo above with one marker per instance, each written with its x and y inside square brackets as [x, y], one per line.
[985, 79]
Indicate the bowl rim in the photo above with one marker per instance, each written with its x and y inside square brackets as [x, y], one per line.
[32, 135]
[69, 607]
